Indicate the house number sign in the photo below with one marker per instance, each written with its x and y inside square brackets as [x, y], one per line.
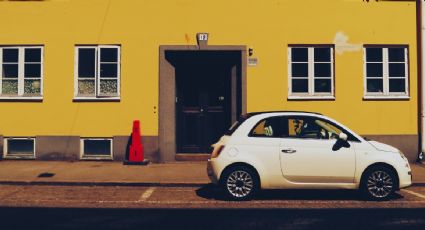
[202, 37]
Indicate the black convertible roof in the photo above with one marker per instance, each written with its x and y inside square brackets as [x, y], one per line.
[282, 111]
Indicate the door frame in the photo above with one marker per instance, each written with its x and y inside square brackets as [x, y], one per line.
[167, 94]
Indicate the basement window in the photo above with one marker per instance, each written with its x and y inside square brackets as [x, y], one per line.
[96, 148]
[19, 147]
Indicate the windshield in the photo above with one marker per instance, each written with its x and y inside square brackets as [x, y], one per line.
[332, 130]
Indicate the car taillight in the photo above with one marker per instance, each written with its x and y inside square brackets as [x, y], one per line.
[217, 150]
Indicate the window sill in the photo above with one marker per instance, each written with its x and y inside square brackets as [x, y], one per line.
[19, 157]
[97, 158]
[96, 99]
[23, 98]
[330, 98]
[389, 97]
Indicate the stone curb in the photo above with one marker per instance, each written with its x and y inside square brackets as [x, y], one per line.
[418, 184]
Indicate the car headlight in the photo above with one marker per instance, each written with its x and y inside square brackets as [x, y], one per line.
[404, 158]
[402, 155]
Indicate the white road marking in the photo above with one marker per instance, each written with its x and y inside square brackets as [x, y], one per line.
[148, 193]
[414, 193]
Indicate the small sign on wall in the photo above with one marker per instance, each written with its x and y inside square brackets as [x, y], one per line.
[202, 39]
[252, 61]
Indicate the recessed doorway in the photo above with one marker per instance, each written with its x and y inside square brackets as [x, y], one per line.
[203, 97]
[207, 89]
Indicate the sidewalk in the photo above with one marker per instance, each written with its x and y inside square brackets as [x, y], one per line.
[102, 173]
[115, 173]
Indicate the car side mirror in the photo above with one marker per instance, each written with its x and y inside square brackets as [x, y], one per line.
[343, 136]
[341, 142]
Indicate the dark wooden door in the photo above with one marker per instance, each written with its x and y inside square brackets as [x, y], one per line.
[203, 99]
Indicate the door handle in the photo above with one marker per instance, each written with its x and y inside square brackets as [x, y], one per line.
[289, 150]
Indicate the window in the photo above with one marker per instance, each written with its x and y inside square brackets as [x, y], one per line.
[311, 72]
[269, 127]
[96, 148]
[386, 72]
[314, 128]
[303, 127]
[97, 72]
[21, 147]
[21, 72]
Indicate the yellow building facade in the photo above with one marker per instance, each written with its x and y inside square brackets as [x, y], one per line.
[76, 73]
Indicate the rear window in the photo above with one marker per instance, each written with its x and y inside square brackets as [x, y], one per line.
[236, 125]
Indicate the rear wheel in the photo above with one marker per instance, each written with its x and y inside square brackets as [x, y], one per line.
[240, 183]
[379, 183]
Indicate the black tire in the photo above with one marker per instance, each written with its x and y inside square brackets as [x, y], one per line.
[379, 183]
[239, 183]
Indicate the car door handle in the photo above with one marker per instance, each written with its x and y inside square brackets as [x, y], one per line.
[289, 150]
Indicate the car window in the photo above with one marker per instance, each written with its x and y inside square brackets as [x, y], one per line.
[236, 125]
[332, 132]
[308, 127]
[270, 127]
[304, 127]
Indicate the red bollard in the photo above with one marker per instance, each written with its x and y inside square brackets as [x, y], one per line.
[136, 152]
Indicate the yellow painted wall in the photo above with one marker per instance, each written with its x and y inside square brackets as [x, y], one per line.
[141, 26]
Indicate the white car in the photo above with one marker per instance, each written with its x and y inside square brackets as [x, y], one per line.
[302, 150]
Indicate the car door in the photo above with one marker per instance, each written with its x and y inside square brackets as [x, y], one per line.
[262, 150]
[312, 152]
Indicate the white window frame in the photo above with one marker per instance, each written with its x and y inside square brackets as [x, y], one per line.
[18, 156]
[21, 73]
[97, 96]
[96, 157]
[311, 95]
[386, 94]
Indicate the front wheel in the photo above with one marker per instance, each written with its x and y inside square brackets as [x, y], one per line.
[379, 183]
[240, 183]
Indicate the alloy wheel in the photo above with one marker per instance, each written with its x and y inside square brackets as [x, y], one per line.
[240, 184]
[380, 184]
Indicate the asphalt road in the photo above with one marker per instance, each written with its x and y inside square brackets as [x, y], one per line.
[207, 196]
[45, 218]
[125, 207]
